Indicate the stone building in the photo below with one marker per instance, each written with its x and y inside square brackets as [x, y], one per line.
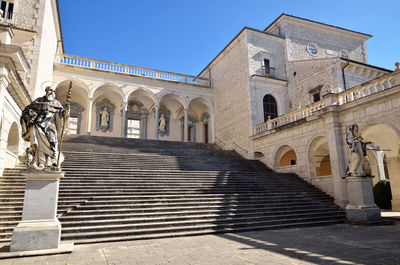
[284, 95]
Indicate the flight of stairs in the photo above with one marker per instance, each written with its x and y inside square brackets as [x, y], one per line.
[125, 189]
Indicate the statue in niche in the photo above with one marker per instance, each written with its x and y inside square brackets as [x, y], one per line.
[104, 118]
[162, 123]
[357, 151]
[42, 123]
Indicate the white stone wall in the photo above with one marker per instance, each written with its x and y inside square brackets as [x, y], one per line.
[328, 44]
[263, 46]
[26, 12]
[230, 78]
[47, 49]
[307, 75]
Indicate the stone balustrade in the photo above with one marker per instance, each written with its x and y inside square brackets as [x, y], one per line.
[366, 89]
[360, 91]
[130, 70]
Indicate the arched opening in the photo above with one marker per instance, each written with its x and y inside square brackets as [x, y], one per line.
[319, 157]
[270, 107]
[138, 113]
[384, 156]
[173, 106]
[107, 111]
[13, 139]
[199, 108]
[285, 156]
[79, 103]
[258, 155]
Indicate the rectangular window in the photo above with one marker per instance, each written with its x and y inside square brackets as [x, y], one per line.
[7, 9]
[316, 97]
[133, 130]
[267, 69]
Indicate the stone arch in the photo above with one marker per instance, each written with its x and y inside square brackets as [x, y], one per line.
[144, 91]
[284, 156]
[204, 100]
[113, 87]
[75, 83]
[319, 157]
[258, 155]
[385, 137]
[178, 97]
[79, 103]
[13, 140]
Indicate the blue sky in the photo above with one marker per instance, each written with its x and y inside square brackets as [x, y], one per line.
[184, 36]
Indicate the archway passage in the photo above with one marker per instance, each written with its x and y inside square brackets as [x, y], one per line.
[13, 139]
[270, 107]
[288, 159]
[319, 157]
[285, 156]
[384, 158]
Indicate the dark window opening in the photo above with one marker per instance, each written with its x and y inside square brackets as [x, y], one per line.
[316, 97]
[7, 9]
[267, 69]
[293, 162]
[270, 107]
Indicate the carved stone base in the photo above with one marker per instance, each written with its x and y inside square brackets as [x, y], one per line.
[361, 207]
[31, 235]
[39, 228]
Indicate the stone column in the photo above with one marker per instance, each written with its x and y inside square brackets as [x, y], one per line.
[89, 123]
[185, 127]
[379, 155]
[39, 228]
[125, 120]
[4, 81]
[361, 207]
[213, 128]
[156, 117]
[336, 153]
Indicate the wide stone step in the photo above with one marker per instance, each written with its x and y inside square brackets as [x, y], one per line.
[190, 226]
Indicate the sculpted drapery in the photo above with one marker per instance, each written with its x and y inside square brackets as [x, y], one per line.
[42, 123]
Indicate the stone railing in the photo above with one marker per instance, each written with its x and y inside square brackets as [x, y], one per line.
[290, 117]
[360, 91]
[130, 70]
[366, 89]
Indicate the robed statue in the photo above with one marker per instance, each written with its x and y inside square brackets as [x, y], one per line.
[42, 124]
[357, 151]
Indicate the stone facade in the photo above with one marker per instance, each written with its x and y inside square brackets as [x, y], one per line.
[267, 95]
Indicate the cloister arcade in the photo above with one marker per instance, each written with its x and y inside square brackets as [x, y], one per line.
[113, 110]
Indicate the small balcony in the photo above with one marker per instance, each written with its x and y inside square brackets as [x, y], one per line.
[268, 71]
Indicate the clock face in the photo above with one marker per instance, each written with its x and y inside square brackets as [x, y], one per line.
[343, 54]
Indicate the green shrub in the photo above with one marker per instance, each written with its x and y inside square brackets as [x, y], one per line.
[383, 194]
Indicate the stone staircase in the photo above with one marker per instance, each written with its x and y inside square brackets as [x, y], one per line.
[126, 189]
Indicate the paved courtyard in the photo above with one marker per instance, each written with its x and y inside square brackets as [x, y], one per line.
[337, 244]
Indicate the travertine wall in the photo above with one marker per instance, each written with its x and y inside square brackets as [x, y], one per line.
[230, 78]
[263, 46]
[309, 74]
[26, 14]
[328, 44]
[47, 49]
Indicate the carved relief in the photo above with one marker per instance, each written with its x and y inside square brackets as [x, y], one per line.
[137, 111]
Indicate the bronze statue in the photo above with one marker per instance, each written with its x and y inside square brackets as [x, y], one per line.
[357, 151]
[42, 124]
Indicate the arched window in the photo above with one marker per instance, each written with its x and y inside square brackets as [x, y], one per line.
[270, 107]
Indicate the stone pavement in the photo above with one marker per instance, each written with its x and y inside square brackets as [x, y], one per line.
[337, 244]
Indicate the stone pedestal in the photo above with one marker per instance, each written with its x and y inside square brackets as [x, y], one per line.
[361, 207]
[39, 228]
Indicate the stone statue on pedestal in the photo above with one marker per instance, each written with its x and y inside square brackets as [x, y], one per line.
[42, 124]
[162, 124]
[357, 151]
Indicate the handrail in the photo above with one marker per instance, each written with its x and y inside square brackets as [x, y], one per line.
[131, 70]
[374, 86]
